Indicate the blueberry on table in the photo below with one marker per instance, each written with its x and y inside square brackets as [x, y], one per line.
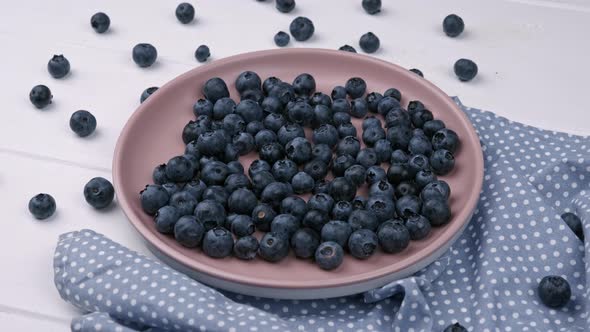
[202, 53]
[362, 243]
[185, 13]
[347, 48]
[355, 87]
[417, 72]
[322, 152]
[218, 243]
[285, 224]
[258, 166]
[144, 54]
[100, 22]
[153, 197]
[246, 247]
[188, 231]
[325, 134]
[574, 223]
[455, 328]
[453, 25]
[273, 247]
[363, 219]
[329, 255]
[40, 96]
[393, 236]
[465, 69]
[369, 42]
[269, 83]
[147, 93]
[42, 206]
[83, 123]
[417, 225]
[289, 132]
[301, 113]
[99, 192]
[367, 157]
[285, 6]
[347, 129]
[301, 28]
[58, 66]
[420, 145]
[554, 291]
[274, 193]
[282, 38]
[165, 219]
[372, 7]
[215, 89]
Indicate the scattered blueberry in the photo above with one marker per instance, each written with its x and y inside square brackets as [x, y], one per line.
[99, 192]
[100, 22]
[417, 72]
[58, 66]
[554, 291]
[393, 236]
[148, 92]
[369, 42]
[153, 197]
[210, 213]
[42, 206]
[453, 25]
[282, 39]
[347, 48]
[465, 69]
[285, 6]
[202, 53]
[574, 223]
[83, 123]
[40, 96]
[301, 28]
[144, 54]
[185, 12]
[304, 242]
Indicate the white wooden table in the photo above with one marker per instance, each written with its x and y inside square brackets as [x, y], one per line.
[532, 55]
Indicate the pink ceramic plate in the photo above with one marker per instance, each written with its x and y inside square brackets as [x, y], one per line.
[153, 135]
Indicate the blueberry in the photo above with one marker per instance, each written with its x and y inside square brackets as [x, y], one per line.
[241, 201]
[210, 213]
[445, 139]
[554, 291]
[383, 150]
[382, 188]
[321, 202]
[355, 87]
[289, 132]
[372, 7]
[231, 153]
[322, 152]
[372, 134]
[320, 98]
[83, 123]
[359, 108]
[285, 6]
[417, 72]
[285, 224]
[394, 93]
[417, 163]
[215, 89]
[284, 170]
[362, 243]
[274, 121]
[455, 328]
[144, 54]
[356, 174]
[203, 107]
[369, 42]
[432, 126]
[159, 174]
[301, 28]
[283, 91]
[179, 169]
[420, 145]
[165, 219]
[100, 22]
[367, 157]
[437, 211]
[382, 206]
[329, 255]
[273, 247]
[153, 197]
[417, 225]
[574, 223]
[294, 206]
[316, 168]
[340, 118]
[408, 205]
[363, 219]
[393, 236]
[341, 105]
[147, 93]
[442, 162]
[342, 189]
[405, 188]
[435, 189]
[342, 163]
[387, 104]
[359, 203]
[315, 220]
[42, 206]
[218, 243]
[195, 188]
[321, 186]
[304, 84]
[299, 150]
[171, 188]
[453, 25]
[272, 104]
[325, 134]
[258, 166]
[465, 69]
[188, 231]
[399, 137]
[274, 193]
[185, 13]
[304, 242]
[246, 247]
[242, 225]
[372, 100]
[192, 130]
[339, 92]
[269, 83]
[397, 117]
[302, 183]
[347, 48]
[217, 194]
[371, 121]
[341, 210]
[262, 215]
[337, 231]
[415, 105]
[272, 152]
[301, 113]
[264, 137]
[40, 96]
[202, 53]
[346, 129]
[282, 38]
[420, 117]
[58, 66]
[99, 192]
[244, 143]
[254, 95]
[397, 173]
[374, 174]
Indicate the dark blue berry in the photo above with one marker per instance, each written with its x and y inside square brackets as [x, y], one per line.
[216, 193]
[179, 169]
[420, 145]
[262, 215]
[397, 173]
[315, 219]
[367, 157]
[42, 206]
[374, 174]
[289, 132]
[371, 121]
[320, 98]
[273, 247]
[372, 134]
[358, 108]
[369, 42]
[269, 83]
[282, 38]
[285, 6]
[235, 167]
[302, 183]
[347, 129]
[246, 248]
[465, 69]
[165, 219]
[294, 206]
[40, 96]
[417, 72]
[285, 224]
[258, 166]
[244, 143]
[387, 104]
[342, 189]
[274, 121]
[383, 150]
[301, 113]
[147, 93]
[188, 231]
[373, 100]
[321, 186]
[215, 89]
[171, 188]
[432, 126]
[436, 189]
[192, 130]
[301, 28]
[415, 105]
[304, 84]
[325, 134]
[416, 163]
[100, 22]
[58, 66]
[322, 202]
[419, 117]
[342, 163]
[299, 150]
[249, 110]
[304, 242]
[195, 188]
[144, 54]
[362, 243]
[453, 25]
[99, 192]
[337, 231]
[394, 93]
[202, 53]
[408, 205]
[274, 193]
[574, 223]
[254, 95]
[363, 219]
[442, 161]
[283, 91]
[272, 104]
[210, 213]
[437, 211]
[264, 137]
[397, 117]
[329, 255]
[339, 92]
[341, 210]
[241, 201]
[153, 197]
[347, 48]
[185, 12]
[203, 107]
[393, 236]
[554, 291]
[322, 152]
[382, 188]
[341, 105]
[445, 139]
[356, 174]
[159, 174]
[417, 225]
[83, 123]
[355, 87]
[399, 157]
[423, 178]
[372, 7]
[271, 152]
[242, 225]
[382, 206]
[284, 170]
[218, 243]
[236, 181]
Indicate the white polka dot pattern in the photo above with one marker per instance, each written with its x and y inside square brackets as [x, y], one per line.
[486, 281]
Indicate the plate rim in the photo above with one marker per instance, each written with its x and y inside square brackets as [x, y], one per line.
[338, 281]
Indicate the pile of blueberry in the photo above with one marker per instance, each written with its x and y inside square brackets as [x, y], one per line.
[205, 199]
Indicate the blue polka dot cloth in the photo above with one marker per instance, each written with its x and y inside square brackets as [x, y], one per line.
[487, 281]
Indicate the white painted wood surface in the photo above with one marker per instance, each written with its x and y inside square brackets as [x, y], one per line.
[532, 55]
